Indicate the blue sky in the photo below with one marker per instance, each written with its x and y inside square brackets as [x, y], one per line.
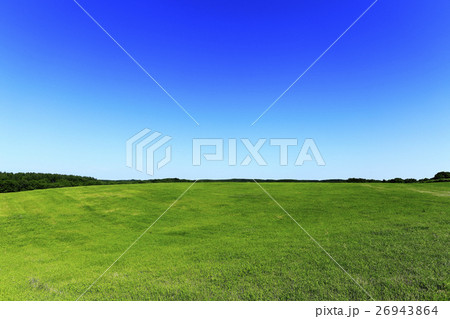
[376, 104]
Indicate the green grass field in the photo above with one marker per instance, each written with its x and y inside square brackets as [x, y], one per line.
[227, 241]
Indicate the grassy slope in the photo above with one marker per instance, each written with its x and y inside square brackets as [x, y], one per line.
[226, 241]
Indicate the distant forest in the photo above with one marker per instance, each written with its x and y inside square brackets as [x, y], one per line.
[16, 182]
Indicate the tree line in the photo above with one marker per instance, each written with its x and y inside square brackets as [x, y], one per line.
[16, 182]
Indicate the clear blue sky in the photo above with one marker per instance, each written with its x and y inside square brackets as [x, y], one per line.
[377, 104]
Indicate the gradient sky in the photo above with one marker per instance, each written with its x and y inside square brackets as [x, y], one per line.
[377, 103]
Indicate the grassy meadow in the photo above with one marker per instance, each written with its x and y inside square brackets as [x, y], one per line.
[227, 241]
